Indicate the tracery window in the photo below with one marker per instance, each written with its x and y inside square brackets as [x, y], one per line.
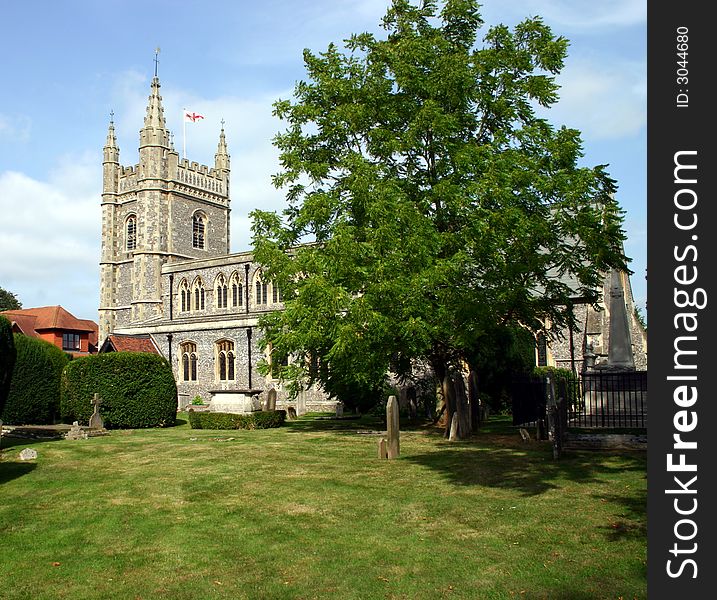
[131, 232]
[184, 296]
[237, 290]
[225, 360]
[221, 292]
[199, 223]
[188, 358]
[198, 296]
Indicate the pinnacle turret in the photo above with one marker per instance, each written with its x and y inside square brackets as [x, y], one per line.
[154, 132]
[221, 158]
[111, 150]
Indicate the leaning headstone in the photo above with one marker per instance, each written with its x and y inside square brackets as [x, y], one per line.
[270, 400]
[382, 448]
[28, 454]
[291, 412]
[524, 434]
[453, 435]
[96, 421]
[392, 427]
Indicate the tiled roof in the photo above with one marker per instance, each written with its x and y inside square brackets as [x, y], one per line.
[48, 317]
[130, 343]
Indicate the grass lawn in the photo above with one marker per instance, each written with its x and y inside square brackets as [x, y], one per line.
[309, 511]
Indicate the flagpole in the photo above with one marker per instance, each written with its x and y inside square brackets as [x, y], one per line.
[184, 133]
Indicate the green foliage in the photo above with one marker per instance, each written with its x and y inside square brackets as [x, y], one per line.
[137, 390]
[197, 401]
[9, 301]
[255, 420]
[8, 354]
[34, 395]
[639, 315]
[440, 205]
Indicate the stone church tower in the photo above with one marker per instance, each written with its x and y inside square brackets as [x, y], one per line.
[162, 210]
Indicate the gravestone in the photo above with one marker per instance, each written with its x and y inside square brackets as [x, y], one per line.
[339, 409]
[291, 412]
[96, 421]
[453, 435]
[76, 432]
[382, 448]
[392, 427]
[270, 400]
[28, 454]
[301, 404]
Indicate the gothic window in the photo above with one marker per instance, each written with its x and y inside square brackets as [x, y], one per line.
[261, 289]
[184, 296]
[198, 294]
[276, 295]
[131, 233]
[542, 350]
[199, 223]
[188, 358]
[225, 360]
[237, 291]
[221, 291]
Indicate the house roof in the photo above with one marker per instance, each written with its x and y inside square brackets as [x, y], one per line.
[31, 320]
[129, 343]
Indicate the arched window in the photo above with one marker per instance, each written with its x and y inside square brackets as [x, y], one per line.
[131, 232]
[198, 294]
[188, 358]
[261, 290]
[184, 296]
[225, 360]
[199, 224]
[237, 290]
[221, 291]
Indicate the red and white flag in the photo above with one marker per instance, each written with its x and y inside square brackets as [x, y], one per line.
[192, 117]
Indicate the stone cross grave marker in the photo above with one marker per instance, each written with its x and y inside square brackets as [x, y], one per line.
[392, 427]
[96, 421]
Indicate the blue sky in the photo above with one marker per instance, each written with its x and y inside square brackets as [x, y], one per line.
[68, 64]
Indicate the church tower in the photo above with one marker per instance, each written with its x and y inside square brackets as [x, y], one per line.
[162, 210]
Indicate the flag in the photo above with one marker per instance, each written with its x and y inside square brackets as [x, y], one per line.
[192, 116]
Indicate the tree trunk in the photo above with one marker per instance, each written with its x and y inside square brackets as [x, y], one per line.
[474, 398]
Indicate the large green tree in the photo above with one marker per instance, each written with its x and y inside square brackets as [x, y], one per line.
[438, 205]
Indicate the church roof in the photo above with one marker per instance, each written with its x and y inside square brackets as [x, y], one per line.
[129, 343]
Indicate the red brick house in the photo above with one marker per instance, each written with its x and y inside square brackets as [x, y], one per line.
[57, 326]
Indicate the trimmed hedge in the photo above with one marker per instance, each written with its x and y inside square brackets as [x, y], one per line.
[256, 420]
[8, 354]
[34, 393]
[137, 390]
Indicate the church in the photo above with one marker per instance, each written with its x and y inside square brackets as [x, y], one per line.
[170, 283]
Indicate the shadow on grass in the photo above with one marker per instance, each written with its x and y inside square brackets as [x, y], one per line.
[529, 472]
[13, 470]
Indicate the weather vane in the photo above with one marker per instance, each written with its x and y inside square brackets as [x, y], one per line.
[156, 60]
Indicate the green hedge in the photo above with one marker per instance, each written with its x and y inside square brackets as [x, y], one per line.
[256, 420]
[34, 393]
[8, 353]
[137, 390]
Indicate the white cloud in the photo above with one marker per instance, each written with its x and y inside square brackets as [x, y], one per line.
[50, 244]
